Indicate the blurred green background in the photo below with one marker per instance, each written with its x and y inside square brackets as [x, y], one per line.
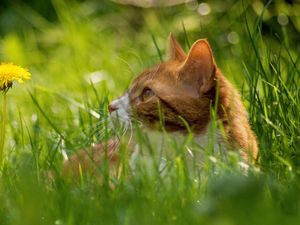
[84, 53]
[62, 42]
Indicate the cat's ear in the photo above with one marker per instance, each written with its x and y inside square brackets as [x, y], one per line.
[175, 50]
[199, 67]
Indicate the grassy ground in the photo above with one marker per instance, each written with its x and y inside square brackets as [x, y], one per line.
[83, 54]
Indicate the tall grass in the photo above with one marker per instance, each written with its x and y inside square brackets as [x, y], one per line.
[88, 56]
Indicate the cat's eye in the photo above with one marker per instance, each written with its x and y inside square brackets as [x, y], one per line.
[147, 94]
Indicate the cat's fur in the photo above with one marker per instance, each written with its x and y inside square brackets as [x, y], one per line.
[183, 90]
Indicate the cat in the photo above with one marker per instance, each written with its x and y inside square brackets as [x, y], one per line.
[180, 93]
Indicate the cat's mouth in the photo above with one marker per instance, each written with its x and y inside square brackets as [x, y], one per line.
[118, 110]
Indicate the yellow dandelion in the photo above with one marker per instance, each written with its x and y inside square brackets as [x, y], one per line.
[9, 73]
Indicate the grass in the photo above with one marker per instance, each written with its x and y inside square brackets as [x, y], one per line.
[87, 56]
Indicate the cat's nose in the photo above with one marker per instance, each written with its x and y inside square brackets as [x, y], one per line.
[112, 108]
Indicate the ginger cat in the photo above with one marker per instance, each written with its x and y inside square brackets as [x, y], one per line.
[185, 87]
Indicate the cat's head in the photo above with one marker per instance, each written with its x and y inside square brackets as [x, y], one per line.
[175, 93]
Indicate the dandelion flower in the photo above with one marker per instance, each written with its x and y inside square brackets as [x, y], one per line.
[9, 73]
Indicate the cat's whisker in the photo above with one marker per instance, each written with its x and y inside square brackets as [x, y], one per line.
[133, 119]
[117, 133]
[101, 122]
[131, 134]
[125, 130]
[96, 130]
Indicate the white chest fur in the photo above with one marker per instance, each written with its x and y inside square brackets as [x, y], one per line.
[165, 147]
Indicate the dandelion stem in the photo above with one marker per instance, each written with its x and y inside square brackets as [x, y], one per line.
[2, 130]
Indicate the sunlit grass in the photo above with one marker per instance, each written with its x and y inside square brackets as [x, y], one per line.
[88, 56]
